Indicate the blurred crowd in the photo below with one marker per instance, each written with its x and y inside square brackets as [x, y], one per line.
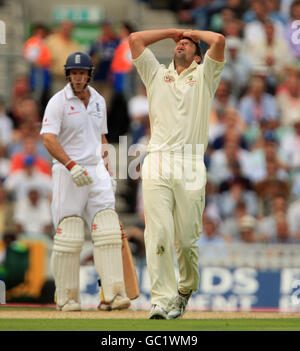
[253, 155]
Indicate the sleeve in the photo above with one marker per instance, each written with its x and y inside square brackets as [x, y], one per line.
[147, 66]
[53, 116]
[212, 72]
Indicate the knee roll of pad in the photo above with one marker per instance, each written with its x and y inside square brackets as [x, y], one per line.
[106, 228]
[69, 236]
[107, 238]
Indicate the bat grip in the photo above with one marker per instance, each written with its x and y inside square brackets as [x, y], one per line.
[122, 231]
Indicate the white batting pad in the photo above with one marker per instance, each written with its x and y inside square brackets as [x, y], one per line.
[106, 235]
[65, 258]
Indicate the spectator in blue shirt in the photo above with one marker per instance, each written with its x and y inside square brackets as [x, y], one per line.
[258, 105]
[102, 51]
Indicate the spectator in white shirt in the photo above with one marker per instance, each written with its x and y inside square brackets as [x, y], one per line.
[6, 126]
[138, 109]
[19, 182]
[238, 67]
[254, 29]
[211, 243]
[288, 97]
[33, 215]
[221, 160]
[270, 53]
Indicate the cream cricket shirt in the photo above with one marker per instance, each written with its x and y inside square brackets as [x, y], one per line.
[179, 105]
[78, 128]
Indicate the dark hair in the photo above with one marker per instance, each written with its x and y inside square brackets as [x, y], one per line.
[241, 204]
[293, 5]
[40, 26]
[198, 51]
[129, 27]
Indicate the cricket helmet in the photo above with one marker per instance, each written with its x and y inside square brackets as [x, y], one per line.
[79, 60]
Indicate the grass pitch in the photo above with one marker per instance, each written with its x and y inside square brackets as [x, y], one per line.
[47, 319]
[150, 325]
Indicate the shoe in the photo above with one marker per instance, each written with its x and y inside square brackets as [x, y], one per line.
[104, 306]
[178, 307]
[158, 312]
[119, 303]
[69, 306]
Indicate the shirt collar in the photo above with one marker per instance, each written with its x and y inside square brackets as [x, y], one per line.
[192, 66]
[70, 94]
[69, 91]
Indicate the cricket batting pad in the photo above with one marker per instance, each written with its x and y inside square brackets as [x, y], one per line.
[65, 258]
[106, 235]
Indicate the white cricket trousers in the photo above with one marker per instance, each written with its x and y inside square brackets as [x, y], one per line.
[174, 197]
[68, 199]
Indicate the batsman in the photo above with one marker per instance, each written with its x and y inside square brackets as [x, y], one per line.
[73, 130]
[180, 98]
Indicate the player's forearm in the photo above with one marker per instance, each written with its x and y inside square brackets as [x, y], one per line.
[138, 41]
[210, 38]
[215, 41]
[149, 37]
[55, 149]
[105, 153]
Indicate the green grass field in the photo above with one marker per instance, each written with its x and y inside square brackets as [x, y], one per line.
[150, 325]
[147, 325]
[47, 319]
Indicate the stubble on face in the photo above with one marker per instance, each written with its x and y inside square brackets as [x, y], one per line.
[184, 53]
[180, 59]
[78, 82]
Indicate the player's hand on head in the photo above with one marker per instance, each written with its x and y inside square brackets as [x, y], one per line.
[178, 34]
[191, 34]
[80, 175]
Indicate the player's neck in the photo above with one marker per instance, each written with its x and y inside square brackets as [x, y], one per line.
[84, 96]
[180, 66]
[180, 69]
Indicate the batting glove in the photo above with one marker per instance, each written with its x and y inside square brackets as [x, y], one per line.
[79, 174]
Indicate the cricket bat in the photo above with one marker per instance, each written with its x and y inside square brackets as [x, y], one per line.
[130, 277]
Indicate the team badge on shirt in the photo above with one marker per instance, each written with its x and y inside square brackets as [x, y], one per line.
[99, 112]
[190, 81]
[168, 78]
[72, 112]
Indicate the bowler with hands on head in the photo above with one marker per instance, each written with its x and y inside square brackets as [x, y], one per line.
[74, 128]
[180, 99]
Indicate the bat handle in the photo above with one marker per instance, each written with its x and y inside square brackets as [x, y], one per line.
[122, 231]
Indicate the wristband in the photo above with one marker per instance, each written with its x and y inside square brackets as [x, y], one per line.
[70, 164]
